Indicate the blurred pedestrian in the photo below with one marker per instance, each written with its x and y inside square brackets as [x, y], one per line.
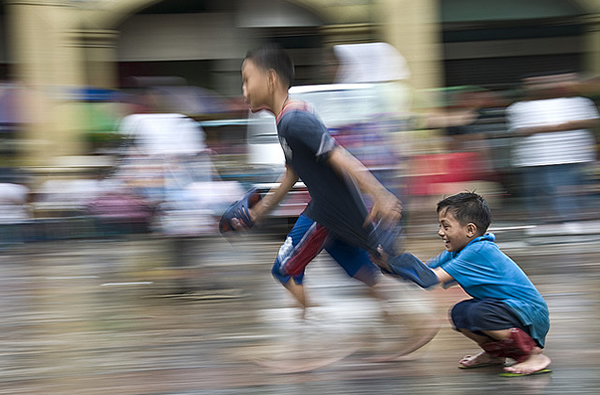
[555, 144]
[166, 161]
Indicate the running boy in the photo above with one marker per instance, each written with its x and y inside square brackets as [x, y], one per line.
[506, 316]
[336, 219]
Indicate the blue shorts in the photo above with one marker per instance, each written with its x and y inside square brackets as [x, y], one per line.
[477, 316]
[306, 240]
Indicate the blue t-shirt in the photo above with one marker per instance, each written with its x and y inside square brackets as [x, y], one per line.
[485, 272]
[336, 202]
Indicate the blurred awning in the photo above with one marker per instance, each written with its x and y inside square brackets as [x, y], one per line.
[172, 94]
[372, 62]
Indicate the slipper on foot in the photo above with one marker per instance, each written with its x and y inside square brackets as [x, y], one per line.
[511, 374]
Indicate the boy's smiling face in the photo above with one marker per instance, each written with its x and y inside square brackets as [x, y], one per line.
[455, 235]
[255, 86]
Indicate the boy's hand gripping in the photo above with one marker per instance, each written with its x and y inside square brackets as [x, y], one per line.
[238, 214]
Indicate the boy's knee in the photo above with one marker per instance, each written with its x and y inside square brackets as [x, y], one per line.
[277, 272]
[466, 316]
[280, 275]
[458, 308]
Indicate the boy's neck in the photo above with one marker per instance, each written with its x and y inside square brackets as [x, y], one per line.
[279, 101]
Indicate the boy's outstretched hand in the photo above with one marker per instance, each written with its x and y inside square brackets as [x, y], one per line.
[387, 209]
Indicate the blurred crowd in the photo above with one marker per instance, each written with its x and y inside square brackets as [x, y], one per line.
[538, 144]
[532, 151]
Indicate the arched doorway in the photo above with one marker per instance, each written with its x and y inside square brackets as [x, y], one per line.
[204, 42]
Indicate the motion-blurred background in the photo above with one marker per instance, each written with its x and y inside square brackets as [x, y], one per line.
[124, 136]
[440, 76]
[444, 72]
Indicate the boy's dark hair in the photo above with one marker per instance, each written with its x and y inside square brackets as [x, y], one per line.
[272, 56]
[468, 207]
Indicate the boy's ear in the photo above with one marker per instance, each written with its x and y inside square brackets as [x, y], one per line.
[271, 78]
[471, 229]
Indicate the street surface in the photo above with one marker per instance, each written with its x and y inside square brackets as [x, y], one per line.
[103, 317]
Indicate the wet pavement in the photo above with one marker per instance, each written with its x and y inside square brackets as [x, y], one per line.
[106, 317]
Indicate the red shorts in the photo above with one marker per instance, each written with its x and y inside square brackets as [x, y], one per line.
[306, 240]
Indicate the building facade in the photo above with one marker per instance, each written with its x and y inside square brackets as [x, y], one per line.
[50, 47]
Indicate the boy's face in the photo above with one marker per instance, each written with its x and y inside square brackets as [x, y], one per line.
[454, 235]
[255, 86]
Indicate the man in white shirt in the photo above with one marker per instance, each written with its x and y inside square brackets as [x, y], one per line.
[555, 146]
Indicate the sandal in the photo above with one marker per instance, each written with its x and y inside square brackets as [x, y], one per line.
[470, 361]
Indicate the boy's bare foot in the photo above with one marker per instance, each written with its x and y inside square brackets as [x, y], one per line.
[480, 360]
[536, 362]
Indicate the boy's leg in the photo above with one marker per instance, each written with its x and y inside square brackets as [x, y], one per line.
[313, 343]
[354, 260]
[483, 358]
[518, 345]
[302, 245]
[418, 326]
[297, 291]
[498, 330]
[356, 263]
[535, 362]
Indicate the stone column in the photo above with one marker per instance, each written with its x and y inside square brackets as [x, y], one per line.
[413, 28]
[47, 63]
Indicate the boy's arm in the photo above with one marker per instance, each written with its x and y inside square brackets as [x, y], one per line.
[275, 195]
[386, 206]
[442, 275]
